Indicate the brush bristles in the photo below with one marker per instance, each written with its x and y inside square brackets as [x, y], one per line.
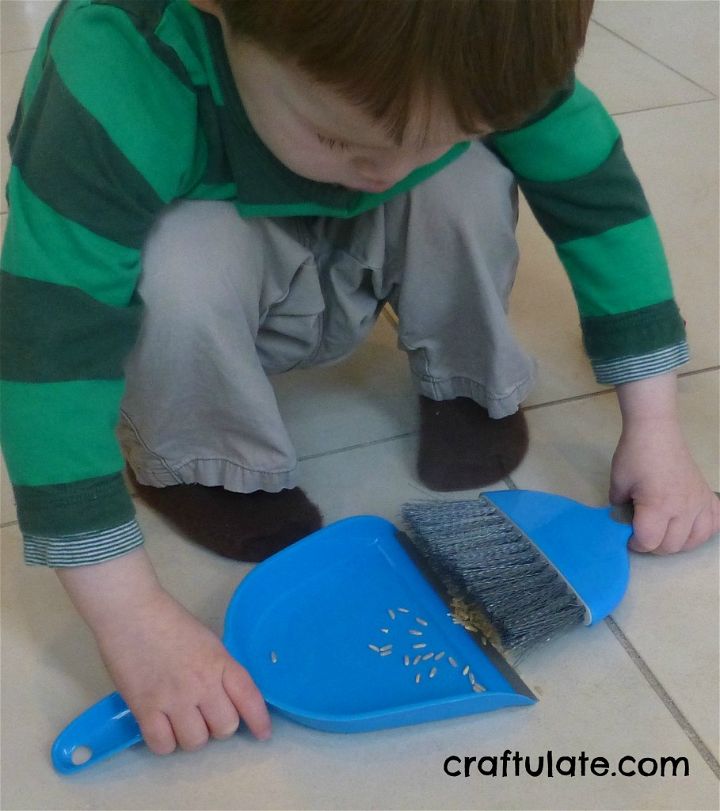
[501, 577]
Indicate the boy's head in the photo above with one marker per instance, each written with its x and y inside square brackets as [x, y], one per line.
[362, 92]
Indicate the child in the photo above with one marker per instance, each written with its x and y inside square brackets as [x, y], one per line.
[280, 171]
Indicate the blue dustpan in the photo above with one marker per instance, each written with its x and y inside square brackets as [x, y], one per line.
[337, 632]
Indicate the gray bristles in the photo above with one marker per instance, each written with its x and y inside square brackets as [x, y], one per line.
[485, 561]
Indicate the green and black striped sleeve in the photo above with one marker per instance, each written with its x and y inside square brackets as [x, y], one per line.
[103, 138]
[572, 169]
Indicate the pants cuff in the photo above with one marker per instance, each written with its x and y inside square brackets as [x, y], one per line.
[218, 473]
[497, 405]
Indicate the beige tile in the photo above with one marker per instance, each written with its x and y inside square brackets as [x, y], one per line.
[367, 397]
[14, 67]
[627, 79]
[375, 479]
[682, 34]
[671, 611]
[682, 187]
[571, 444]
[592, 700]
[670, 616]
[22, 22]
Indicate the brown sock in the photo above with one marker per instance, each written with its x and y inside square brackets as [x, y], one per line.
[461, 447]
[243, 526]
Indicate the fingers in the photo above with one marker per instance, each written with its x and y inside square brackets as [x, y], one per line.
[179, 680]
[247, 699]
[157, 732]
[676, 535]
[217, 716]
[221, 717]
[649, 526]
[164, 732]
[192, 728]
[706, 525]
[656, 531]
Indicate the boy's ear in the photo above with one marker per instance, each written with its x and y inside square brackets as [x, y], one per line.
[209, 6]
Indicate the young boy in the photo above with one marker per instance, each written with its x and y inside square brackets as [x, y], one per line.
[280, 171]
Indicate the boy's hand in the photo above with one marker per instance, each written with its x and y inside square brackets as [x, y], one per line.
[675, 510]
[175, 675]
[178, 679]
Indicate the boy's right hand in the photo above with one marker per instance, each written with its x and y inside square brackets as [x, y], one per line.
[178, 679]
[175, 675]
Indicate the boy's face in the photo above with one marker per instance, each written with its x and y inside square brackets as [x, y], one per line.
[318, 134]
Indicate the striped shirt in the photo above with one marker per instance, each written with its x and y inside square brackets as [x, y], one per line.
[131, 104]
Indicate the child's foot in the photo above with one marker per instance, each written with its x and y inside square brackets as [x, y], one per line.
[243, 526]
[461, 447]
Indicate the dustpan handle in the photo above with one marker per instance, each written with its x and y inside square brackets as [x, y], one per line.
[102, 730]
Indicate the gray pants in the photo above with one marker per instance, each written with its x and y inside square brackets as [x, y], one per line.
[230, 301]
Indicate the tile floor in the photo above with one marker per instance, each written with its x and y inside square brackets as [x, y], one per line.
[644, 683]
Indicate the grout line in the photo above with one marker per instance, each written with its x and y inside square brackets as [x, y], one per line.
[654, 58]
[663, 107]
[664, 696]
[699, 371]
[359, 445]
[5, 51]
[605, 392]
[573, 399]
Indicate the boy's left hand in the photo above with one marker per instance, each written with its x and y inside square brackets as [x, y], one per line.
[675, 510]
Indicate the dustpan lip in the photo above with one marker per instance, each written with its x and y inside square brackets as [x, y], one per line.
[401, 709]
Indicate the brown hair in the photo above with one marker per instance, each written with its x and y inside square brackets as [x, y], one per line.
[496, 62]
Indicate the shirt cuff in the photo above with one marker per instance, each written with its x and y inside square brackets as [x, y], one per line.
[82, 549]
[627, 369]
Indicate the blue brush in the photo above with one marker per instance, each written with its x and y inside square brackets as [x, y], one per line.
[523, 566]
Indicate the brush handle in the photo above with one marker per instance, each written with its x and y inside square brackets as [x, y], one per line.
[584, 544]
